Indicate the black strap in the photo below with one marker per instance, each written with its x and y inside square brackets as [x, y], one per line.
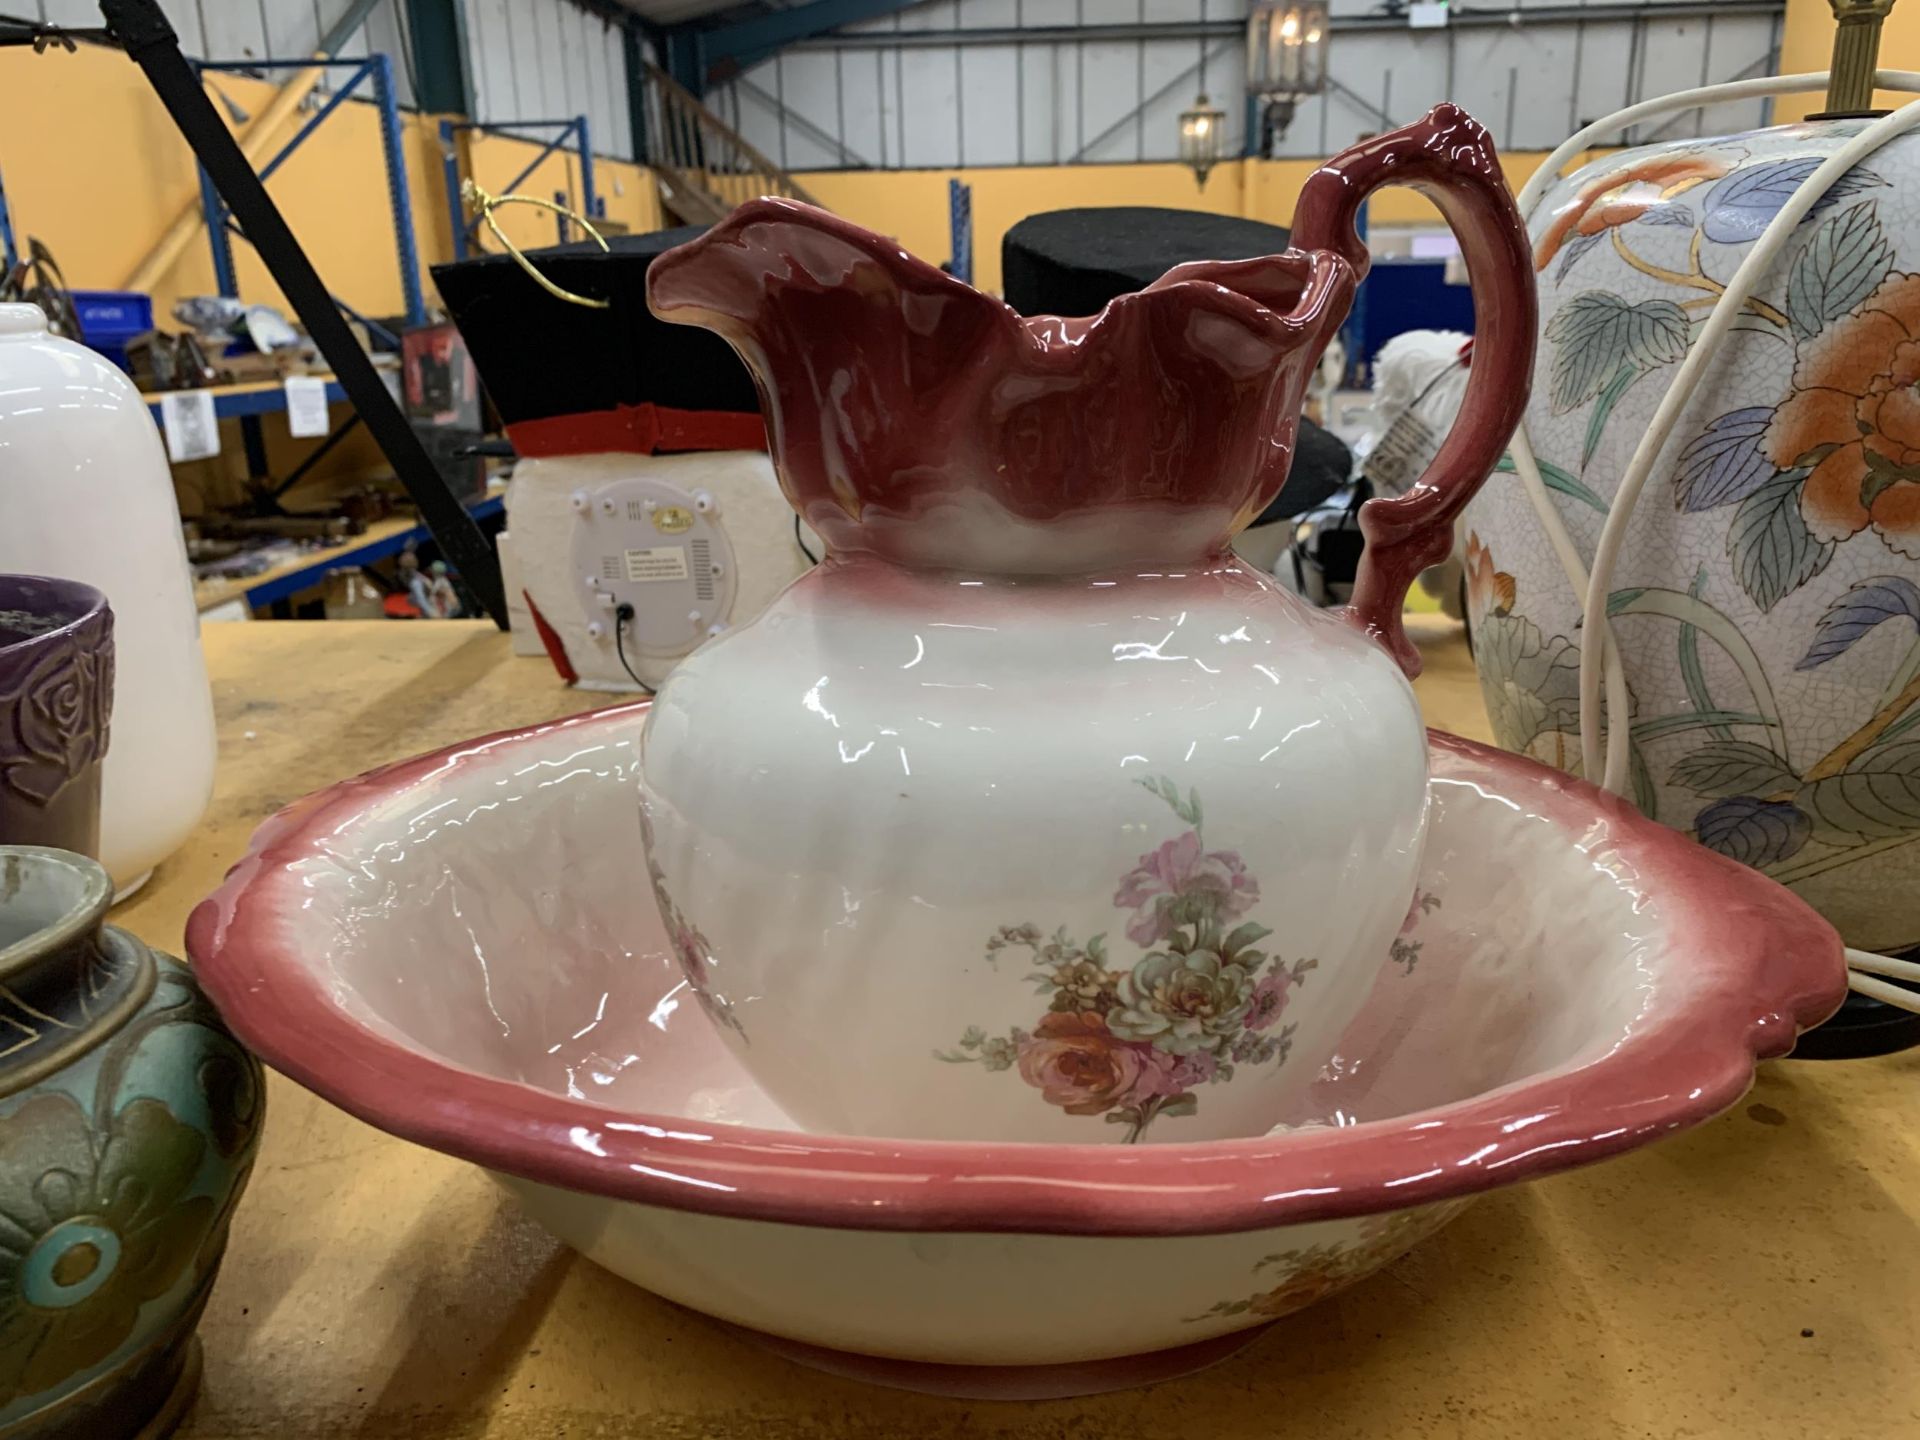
[143, 31]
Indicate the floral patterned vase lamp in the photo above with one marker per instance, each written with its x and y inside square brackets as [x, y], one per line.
[1722, 458]
[1032, 813]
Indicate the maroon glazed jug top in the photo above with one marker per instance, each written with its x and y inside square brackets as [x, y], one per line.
[916, 420]
[919, 420]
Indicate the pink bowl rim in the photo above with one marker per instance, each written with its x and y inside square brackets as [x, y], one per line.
[1771, 967]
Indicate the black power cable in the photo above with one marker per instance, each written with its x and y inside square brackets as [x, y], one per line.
[622, 613]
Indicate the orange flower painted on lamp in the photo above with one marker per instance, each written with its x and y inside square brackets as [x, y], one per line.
[1623, 196]
[1489, 591]
[1852, 420]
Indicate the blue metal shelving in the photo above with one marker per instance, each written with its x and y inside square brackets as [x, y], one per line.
[378, 69]
[570, 133]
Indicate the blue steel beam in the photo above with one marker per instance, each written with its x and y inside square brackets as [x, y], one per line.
[729, 49]
[316, 120]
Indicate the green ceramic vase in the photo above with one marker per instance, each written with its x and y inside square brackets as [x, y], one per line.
[129, 1118]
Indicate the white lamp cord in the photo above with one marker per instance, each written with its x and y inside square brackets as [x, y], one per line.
[1599, 655]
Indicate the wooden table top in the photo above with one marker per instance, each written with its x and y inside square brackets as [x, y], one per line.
[1758, 1276]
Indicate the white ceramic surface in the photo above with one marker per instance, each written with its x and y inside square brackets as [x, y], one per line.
[85, 494]
[916, 833]
[1767, 602]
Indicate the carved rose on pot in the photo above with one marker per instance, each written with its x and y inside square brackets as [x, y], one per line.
[53, 715]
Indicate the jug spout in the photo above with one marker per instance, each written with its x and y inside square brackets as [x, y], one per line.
[918, 420]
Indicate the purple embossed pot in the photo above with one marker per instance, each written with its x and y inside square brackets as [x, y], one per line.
[56, 693]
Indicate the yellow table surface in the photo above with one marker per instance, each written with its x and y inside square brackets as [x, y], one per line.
[1756, 1277]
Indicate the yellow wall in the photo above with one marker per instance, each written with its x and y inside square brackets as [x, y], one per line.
[911, 205]
[94, 167]
[1806, 45]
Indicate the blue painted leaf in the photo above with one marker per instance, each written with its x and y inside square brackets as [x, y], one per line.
[1669, 214]
[1739, 207]
[1882, 597]
[1772, 550]
[1753, 831]
[1724, 462]
[1572, 251]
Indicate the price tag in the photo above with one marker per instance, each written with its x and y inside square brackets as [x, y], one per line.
[306, 406]
[193, 432]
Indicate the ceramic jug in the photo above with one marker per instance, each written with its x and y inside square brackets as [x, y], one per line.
[1032, 813]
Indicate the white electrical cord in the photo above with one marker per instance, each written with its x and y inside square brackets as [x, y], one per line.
[1599, 655]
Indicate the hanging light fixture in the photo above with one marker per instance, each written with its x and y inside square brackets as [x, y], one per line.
[1202, 133]
[1286, 61]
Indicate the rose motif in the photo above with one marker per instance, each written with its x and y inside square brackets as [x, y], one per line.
[88, 1240]
[1622, 196]
[1321, 1270]
[1134, 1046]
[1853, 416]
[1183, 1004]
[1075, 1062]
[1181, 884]
[54, 716]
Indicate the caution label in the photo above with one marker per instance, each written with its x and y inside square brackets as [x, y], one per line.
[665, 562]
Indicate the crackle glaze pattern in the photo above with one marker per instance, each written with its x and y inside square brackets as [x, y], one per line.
[454, 949]
[1767, 602]
[1028, 607]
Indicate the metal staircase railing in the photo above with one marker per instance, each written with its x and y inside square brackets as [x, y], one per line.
[704, 165]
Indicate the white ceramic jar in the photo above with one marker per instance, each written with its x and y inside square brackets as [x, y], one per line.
[85, 494]
[1767, 601]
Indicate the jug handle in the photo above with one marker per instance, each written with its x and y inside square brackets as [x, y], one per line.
[1449, 157]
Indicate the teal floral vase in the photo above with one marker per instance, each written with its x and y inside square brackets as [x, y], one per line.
[1767, 600]
[129, 1118]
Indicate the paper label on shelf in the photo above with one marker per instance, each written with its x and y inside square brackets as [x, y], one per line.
[663, 562]
[306, 406]
[193, 431]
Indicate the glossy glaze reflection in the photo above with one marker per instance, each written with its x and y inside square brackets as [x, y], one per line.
[1080, 829]
[454, 949]
[1076, 861]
